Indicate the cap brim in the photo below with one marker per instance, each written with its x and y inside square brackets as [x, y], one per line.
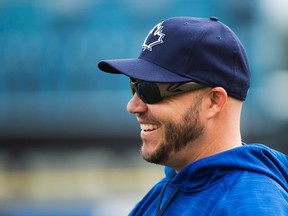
[140, 69]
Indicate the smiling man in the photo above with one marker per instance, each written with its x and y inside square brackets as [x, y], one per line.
[188, 87]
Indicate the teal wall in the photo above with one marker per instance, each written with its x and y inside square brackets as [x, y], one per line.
[50, 86]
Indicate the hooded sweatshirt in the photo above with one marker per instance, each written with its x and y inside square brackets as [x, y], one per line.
[247, 180]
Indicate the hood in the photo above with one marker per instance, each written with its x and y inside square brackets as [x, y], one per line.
[255, 158]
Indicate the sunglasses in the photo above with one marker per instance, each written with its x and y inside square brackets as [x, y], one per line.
[151, 92]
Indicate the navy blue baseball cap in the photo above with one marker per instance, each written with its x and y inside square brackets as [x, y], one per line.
[188, 49]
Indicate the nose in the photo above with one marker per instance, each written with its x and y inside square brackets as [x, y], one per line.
[136, 105]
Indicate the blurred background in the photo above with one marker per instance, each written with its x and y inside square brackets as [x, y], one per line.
[67, 144]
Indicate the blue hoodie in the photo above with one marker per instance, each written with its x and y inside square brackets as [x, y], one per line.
[248, 180]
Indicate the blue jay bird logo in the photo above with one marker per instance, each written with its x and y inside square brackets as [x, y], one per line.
[154, 37]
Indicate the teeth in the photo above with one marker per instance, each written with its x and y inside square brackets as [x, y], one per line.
[148, 127]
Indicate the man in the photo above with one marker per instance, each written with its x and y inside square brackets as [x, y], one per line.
[188, 87]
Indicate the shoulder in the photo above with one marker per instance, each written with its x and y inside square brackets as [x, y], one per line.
[252, 194]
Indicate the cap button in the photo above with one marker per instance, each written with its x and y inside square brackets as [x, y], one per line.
[214, 18]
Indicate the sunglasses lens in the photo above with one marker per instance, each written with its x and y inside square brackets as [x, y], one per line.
[151, 93]
[147, 92]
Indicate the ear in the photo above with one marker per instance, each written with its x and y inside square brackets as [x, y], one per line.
[217, 99]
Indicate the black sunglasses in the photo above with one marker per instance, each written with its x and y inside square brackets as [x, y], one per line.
[151, 92]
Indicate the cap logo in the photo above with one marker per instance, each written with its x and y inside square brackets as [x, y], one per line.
[154, 37]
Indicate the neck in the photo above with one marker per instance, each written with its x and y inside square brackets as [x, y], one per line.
[199, 150]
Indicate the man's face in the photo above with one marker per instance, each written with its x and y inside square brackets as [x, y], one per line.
[168, 126]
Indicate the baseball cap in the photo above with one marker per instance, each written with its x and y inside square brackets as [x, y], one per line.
[189, 49]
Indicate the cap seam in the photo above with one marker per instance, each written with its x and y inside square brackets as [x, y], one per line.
[198, 39]
[234, 62]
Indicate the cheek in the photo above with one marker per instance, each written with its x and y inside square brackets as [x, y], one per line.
[168, 112]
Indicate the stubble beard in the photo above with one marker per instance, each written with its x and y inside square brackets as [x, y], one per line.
[178, 135]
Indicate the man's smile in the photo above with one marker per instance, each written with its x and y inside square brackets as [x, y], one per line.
[149, 127]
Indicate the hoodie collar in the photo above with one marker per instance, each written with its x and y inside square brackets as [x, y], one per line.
[207, 171]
